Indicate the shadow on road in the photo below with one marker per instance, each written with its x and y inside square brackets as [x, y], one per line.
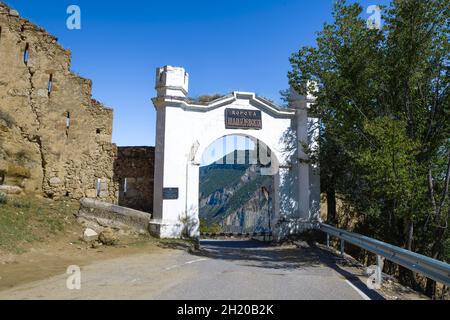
[260, 254]
[264, 255]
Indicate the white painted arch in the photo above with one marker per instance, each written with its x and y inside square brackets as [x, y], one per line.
[184, 131]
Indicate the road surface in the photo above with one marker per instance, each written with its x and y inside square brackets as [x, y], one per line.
[220, 270]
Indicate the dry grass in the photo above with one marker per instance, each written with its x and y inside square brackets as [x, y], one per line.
[26, 219]
[18, 171]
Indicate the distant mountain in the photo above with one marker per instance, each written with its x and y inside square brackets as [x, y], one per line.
[230, 196]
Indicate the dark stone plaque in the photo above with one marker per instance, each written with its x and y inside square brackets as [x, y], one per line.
[243, 119]
[170, 193]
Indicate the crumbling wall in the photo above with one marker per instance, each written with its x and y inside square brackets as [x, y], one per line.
[54, 138]
[94, 213]
[134, 170]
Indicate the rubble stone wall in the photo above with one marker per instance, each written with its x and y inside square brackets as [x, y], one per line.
[95, 213]
[134, 169]
[55, 139]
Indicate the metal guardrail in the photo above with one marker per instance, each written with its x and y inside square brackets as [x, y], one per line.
[431, 268]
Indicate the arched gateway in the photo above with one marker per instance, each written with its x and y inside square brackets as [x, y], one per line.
[185, 129]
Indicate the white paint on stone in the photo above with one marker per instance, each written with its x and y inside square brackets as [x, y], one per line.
[10, 189]
[89, 235]
[186, 129]
[13, 13]
[42, 93]
[55, 181]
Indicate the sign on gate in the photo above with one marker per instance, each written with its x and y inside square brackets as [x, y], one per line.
[243, 119]
[170, 193]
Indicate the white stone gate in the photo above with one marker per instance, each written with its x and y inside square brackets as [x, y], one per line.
[185, 129]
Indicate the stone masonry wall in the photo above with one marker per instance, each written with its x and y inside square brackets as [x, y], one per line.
[55, 139]
[134, 170]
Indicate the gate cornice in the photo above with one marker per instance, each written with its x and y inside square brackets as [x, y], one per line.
[255, 100]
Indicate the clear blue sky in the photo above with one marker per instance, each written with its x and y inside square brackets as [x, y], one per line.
[224, 45]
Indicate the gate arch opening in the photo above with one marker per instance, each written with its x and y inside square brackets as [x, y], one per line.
[238, 186]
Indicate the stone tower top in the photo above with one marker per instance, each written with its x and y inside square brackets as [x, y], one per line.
[172, 82]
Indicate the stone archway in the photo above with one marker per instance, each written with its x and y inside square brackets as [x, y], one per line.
[184, 130]
[256, 154]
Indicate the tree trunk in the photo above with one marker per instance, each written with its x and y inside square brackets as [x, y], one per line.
[437, 249]
[436, 253]
[331, 206]
[430, 289]
[407, 276]
[409, 234]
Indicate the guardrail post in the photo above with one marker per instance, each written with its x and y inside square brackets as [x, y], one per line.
[328, 240]
[431, 268]
[379, 269]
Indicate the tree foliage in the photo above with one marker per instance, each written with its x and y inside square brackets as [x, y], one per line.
[383, 100]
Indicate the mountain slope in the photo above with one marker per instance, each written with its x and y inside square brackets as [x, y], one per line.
[230, 196]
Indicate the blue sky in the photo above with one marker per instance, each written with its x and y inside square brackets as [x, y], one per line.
[224, 45]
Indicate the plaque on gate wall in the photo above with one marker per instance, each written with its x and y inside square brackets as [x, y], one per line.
[243, 119]
[170, 193]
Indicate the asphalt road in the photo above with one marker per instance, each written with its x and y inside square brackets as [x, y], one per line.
[220, 270]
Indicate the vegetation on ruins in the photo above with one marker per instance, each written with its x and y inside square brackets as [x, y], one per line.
[207, 98]
[3, 198]
[384, 105]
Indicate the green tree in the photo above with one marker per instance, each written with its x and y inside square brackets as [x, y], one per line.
[383, 100]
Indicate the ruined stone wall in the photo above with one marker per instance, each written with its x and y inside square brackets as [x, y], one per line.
[134, 169]
[54, 138]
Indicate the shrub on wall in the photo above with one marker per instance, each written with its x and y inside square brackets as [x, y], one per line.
[22, 156]
[18, 171]
[3, 198]
[6, 119]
